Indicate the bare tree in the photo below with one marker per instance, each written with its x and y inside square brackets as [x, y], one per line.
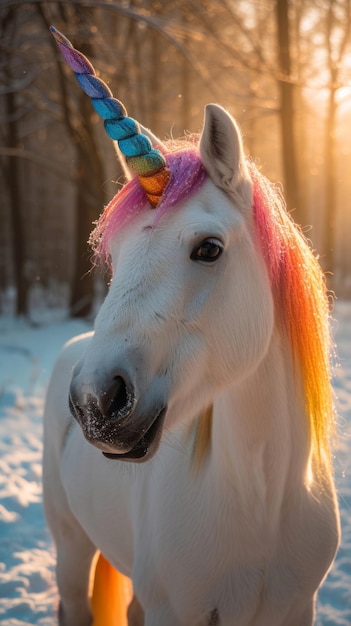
[337, 37]
[10, 164]
[287, 109]
[89, 169]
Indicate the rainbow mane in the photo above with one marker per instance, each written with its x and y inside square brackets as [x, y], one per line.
[297, 281]
[300, 296]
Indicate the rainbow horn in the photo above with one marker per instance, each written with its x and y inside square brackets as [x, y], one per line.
[148, 163]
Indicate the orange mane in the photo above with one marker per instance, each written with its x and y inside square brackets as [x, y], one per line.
[300, 296]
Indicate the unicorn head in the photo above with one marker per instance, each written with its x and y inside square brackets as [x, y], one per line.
[147, 162]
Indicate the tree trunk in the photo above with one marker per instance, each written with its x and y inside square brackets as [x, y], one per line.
[12, 176]
[287, 112]
[336, 49]
[17, 226]
[185, 82]
[330, 178]
[89, 174]
[89, 203]
[154, 93]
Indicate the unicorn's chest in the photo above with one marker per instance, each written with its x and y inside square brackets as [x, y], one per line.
[202, 552]
[205, 566]
[99, 493]
[191, 548]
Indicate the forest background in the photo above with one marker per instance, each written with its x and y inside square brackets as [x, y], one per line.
[282, 68]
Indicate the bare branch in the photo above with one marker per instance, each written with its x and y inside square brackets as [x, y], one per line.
[43, 162]
[153, 22]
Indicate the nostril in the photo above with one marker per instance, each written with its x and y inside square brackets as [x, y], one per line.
[116, 403]
[120, 398]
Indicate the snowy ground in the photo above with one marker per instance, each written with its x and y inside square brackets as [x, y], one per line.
[27, 589]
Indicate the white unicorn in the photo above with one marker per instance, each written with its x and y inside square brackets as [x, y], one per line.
[187, 437]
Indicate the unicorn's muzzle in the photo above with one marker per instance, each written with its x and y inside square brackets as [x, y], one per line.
[112, 418]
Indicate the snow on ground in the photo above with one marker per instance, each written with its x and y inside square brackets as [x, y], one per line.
[27, 587]
[27, 354]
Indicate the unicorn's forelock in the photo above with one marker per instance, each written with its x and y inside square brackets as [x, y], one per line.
[187, 177]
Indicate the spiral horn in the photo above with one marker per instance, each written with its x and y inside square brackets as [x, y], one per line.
[147, 162]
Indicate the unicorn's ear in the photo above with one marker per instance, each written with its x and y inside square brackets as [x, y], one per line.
[223, 157]
[155, 142]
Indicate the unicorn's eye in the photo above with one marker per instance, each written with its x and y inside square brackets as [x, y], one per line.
[208, 251]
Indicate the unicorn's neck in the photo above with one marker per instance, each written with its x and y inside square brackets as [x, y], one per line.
[260, 432]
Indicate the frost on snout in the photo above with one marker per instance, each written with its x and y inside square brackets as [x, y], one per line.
[113, 421]
[102, 413]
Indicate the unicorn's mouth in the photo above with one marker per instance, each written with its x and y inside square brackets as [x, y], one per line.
[147, 445]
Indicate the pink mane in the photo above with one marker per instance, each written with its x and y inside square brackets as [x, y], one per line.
[299, 291]
[187, 177]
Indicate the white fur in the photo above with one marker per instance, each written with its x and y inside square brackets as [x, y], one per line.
[247, 534]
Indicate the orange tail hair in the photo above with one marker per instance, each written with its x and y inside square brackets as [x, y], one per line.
[112, 594]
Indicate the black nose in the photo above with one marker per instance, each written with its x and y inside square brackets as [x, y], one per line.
[113, 401]
[116, 402]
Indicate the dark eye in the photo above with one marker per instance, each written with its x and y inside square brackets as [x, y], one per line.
[208, 251]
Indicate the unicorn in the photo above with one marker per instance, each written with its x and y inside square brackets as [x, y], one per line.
[188, 439]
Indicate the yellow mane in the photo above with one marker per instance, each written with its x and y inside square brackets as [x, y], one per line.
[302, 305]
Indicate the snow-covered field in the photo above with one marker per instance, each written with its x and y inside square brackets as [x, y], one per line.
[27, 588]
